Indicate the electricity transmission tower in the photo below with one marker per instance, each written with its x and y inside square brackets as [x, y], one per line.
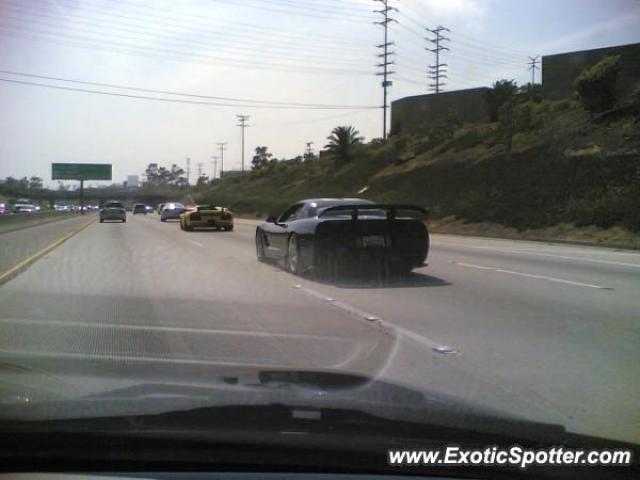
[243, 124]
[437, 71]
[200, 165]
[188, 170]
[533, 66]
[222, 146]
[386, 20]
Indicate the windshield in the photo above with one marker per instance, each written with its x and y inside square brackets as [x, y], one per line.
[113, 205]
[421, 205]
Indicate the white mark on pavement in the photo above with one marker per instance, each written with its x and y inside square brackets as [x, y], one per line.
[537, 254]
[193, 242]
[421, 339]
[531, 275]
[161, 328]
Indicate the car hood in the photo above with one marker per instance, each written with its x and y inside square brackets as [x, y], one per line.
[50, 397]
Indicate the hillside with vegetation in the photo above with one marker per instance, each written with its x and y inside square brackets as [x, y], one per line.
[539, 166]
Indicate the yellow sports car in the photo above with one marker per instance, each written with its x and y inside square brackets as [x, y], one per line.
[207, 216]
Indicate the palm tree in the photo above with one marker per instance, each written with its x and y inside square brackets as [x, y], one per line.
[342, 140]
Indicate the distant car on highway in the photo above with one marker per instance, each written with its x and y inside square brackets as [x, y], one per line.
[113, 210]
[139, 208]
[207, 216]
[58, 207]
[3, 209]
[24, 205]
[327, 234]
[171, 211]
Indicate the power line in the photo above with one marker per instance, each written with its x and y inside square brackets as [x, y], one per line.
[144, 97]
[385, 60]
[293, 62]
[243, 124]
[148, 36]
[167, 28]
[190, 95]
[437, 71]
[313, 8]
[176, 54]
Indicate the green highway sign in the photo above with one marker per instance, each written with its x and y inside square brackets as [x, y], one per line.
[80, 171]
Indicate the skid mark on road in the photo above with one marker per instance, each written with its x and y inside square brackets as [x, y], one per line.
[530, 275]
[385, 324]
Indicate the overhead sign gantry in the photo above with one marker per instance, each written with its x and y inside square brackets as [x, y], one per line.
[81, 172]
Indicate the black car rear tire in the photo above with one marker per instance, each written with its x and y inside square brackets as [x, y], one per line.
[260, 247]
[101, 220]
[163, 219]
[293, 255]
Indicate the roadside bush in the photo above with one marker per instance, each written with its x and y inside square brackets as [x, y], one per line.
[562, 105]
[596, 86]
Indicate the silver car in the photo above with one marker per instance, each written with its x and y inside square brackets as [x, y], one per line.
[172, 210]
[113, 211]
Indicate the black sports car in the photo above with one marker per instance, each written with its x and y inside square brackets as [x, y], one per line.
[324, 235]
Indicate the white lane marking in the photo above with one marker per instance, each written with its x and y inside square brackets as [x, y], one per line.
[197, 244]
[421, 339]
[536, 254]
[114, 357]
[531, 275]
[159, 328]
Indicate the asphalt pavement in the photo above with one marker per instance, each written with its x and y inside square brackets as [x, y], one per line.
[544, 331]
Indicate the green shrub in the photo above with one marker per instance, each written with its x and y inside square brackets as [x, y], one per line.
[596, 86]
[562, 105]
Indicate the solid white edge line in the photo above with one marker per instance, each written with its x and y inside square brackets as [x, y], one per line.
[193, 242]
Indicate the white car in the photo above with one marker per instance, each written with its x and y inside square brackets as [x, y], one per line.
[113, 210]
[24, 207]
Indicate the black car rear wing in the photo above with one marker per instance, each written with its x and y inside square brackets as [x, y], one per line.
[391, 210]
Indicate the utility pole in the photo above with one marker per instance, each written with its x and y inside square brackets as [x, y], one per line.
[243, 124]
[308, 151]
[214, 164]
[533, 66]
[222, 146]
[385, 59]
[437, 71]
[200, 165]
[188, 170]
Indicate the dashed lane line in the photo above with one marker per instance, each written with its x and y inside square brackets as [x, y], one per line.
[421, 339]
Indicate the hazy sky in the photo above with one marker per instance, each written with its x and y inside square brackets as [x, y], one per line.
[279, 51]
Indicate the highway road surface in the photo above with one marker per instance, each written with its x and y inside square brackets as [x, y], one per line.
[545, 331]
